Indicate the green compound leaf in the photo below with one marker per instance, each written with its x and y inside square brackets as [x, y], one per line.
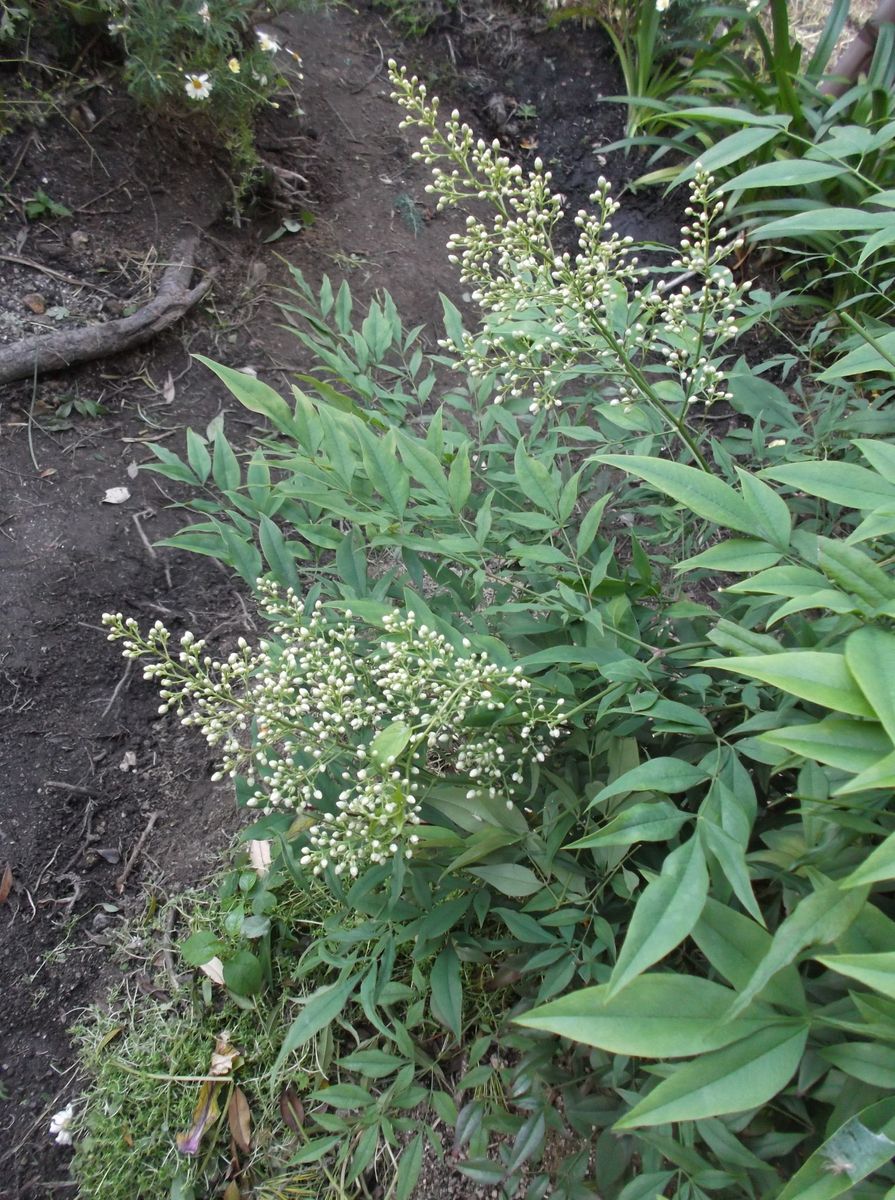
[738, 1077]
[735, 946]
[657, 1016]
[702, 493]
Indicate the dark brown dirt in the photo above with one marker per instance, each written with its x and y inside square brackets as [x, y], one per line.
[85, 761]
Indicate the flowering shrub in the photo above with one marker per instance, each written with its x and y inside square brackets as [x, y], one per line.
[383, 713]
[194, 58]
[665, 936]
[550, 320]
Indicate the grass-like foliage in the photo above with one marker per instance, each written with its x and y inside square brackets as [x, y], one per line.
[608, 847]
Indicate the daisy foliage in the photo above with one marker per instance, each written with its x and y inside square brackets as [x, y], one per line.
[351, 725]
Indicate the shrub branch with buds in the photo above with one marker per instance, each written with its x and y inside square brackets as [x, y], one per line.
[551, 317]
[349, 723]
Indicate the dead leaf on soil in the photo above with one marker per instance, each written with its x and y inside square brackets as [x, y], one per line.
[205, 1114]
[259, 856]
[239, 1118]
[132, 470]
[214, 969]
[168, 389]
[116, 495]
[128, 762]
[35, 302]
[5, 883]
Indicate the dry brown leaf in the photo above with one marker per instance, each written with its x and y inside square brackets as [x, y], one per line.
[239, 1117]
[231, 1191]
[259, 856]
[5, 883]
[292, 1109]
[214, 969]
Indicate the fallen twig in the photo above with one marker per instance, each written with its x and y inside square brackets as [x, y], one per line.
[64, 348]
[132, 857]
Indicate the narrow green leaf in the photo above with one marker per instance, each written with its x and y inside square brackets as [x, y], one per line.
[320, 1008]
[460, 479]
[535, 482]
[665, 913]
[656, 822]
[512, 879]
[589, 526]
[876, 866]
[657, 1016]
[280, 560]
[389, 743]
[669, 775]
[409, 1166]
[861, 1145]
[197, 453]
[703, 494]
[254, 395]
[837, 741]
[783, 173]
[840, 483]
[875, 971]
[225, 465]
[868, 1061]
[446, 991]
[735, 945]
[738, 1077]
[815, 675]
[870, 656]
[773, 521]
[817, 920]
[737, 555]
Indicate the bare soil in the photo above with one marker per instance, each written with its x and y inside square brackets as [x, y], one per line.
[86, 763]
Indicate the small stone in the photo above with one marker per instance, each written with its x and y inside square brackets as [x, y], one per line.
[36, 302]
[79, 240]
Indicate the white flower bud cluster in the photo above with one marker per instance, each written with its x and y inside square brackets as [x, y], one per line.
[549, 316]
[299, 718]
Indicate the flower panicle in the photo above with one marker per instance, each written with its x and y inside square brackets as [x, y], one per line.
[301, 716]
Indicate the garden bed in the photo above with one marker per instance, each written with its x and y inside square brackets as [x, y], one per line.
[88, 766]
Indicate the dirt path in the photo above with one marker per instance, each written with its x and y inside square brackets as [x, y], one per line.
[85, 762]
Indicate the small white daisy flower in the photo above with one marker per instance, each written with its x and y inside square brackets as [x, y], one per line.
[198, 87]
[268, 44]
[204, 13]
[233, 64]
[59, 1125]
[662, 5]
